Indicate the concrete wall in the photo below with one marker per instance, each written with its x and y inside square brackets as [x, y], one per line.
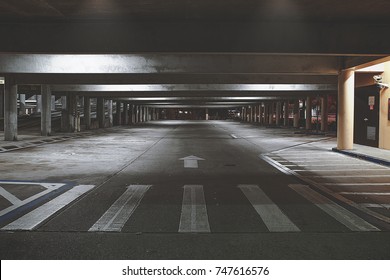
[384, 123]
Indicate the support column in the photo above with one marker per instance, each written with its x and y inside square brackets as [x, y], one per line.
[278, 111]
[64, 114]
[87, 112]
[296, 114]
[266, 112]
[271, 113]
[324, 113]
[71, 111]
[39, 103]
[346, 99]
[261, 113]
[308, 113]
[22, 104]
[285, 118]
[46, 110]
[136, 114]
[118, 113]
[207, 114]
[1, 99]
[100, 111]
[10, 110]
[109, 111]
[126, 113]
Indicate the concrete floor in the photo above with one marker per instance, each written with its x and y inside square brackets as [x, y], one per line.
[150, 155]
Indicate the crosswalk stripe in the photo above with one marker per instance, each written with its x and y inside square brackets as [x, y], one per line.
[9, 196]
[339, 213]
[36, 217]
[118, 214]
[273, 217]
[194, 216]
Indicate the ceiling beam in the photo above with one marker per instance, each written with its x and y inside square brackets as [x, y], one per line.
[168, 64]
[173, 78]
[195, 88]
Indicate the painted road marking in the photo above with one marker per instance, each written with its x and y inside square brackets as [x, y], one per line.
[349, 176]
[119, 213]
[375, 205]
[233, 136]
[36, 217]
[365, 193]
[191, 161]
[339, 213]
[49, 188]
[9, 196]
[194, 216]
[273, 217]
[356, 184]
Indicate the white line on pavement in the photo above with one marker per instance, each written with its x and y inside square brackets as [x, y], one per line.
[194, 216]
[365, 193]
[347, 218]
[375, 205]
[9, 196]
[119, 213]
[272, 216]
[36, 217]
[349, 176]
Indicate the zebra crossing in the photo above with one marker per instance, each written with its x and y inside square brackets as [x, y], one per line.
[363, 185]
[194, 216]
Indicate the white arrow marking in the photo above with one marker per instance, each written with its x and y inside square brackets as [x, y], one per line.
[118, 214]
[191, 161]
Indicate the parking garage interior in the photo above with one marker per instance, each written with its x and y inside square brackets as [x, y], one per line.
[225, 105]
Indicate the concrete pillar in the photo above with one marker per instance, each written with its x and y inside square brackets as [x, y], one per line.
[261, 113]
[285, 118]
[10, 110]
[53, 103]
[22, 104]
[87, 112]
[1, 100]
[118, 115]
[270, 113]
[324, 113]
[345, 112]
[100, 111]
[64, 114]
[207, 114]
[296, 114]
[109, 112]
[46, 110]
[278, 112]
[136, 114]
[308, 113]
[126, 113]
[71, 112]
[39, 104]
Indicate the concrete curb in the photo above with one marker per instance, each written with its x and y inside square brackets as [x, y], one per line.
[362, 156]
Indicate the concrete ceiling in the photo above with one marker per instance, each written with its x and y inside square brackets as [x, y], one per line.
[191, 42]
[226, 10]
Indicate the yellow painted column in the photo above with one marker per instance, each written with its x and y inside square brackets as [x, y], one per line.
[384, 114]
[346, 97]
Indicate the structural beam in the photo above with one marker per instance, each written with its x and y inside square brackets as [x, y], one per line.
[167, 63]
